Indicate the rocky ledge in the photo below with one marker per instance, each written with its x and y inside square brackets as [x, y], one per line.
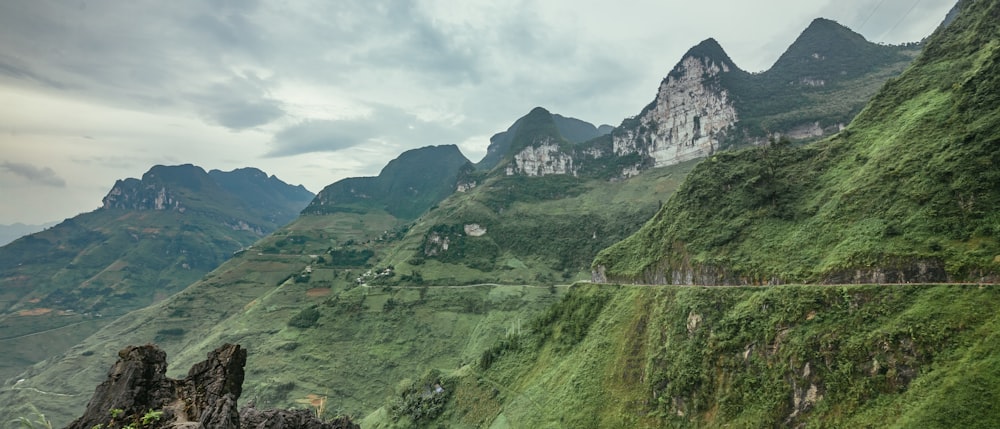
[137, 393]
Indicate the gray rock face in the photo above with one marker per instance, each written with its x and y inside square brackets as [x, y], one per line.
[688, 119]
[137, 393]
[541, 159]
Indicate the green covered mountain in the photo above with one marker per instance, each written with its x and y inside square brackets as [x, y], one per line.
[406, 187]
[572, 129]
[386, 286]
[152, 237]
[908, 192]
[707, 103]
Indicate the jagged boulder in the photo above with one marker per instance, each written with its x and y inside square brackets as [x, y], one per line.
[137, 393]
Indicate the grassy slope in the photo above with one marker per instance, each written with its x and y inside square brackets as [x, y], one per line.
[353, 354]
[857, 356]
[911, 182]
[56, 298]
[60, 285]
[538, 229]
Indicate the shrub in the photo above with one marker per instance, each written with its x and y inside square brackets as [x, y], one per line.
[306, 318]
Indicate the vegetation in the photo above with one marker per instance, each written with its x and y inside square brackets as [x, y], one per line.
[405, 188]
[906, 193]
[856, 356]
[60, 285]
[361, 293]
[39, 422]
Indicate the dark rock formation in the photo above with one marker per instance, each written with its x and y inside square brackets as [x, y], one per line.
[137, 393]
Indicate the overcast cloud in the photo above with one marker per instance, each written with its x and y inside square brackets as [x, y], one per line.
[44, 176]
[313, 91]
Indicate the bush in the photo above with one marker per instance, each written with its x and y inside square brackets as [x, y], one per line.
[306, 318]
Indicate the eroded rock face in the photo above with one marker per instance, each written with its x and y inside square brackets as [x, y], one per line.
[543, 158]
[688, 119]
[138, 393]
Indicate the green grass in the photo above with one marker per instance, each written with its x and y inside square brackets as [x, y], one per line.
[540, 230]
[359, 342]
[906, 356]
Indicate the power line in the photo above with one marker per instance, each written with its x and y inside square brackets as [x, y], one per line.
[901, 19]
[870, 15]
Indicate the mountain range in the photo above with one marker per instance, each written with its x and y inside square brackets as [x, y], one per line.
[388, 287]
[152, 237]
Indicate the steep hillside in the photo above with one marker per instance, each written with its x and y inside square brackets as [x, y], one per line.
[274, 199]
[694, 357]
[707, 103]
[317, 319]
[908, 192]
[152, 237]
[529, 219]
[406, 187]
[572, 129]
[390, 278]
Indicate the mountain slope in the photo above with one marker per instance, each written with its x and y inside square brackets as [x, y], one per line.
[689, 357]
[152, 237]
[356, 276]
[707, 103]
[572, 129]
[529, 219]
[406, 187]
[9, 233]
[907, 192]
[310, 328]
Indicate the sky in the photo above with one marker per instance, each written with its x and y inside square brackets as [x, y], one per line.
[314, 91]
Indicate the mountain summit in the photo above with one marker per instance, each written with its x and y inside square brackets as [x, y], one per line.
[406, 187]
[907, 193]
[572, 129]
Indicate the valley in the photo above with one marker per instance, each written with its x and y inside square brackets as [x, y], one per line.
[815, 245]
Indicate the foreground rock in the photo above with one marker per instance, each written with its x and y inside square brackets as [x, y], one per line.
[137, 393]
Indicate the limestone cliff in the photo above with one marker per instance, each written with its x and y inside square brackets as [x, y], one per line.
[541, 159]
[691, 113]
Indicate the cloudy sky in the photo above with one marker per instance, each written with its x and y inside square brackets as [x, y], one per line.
[314, 91]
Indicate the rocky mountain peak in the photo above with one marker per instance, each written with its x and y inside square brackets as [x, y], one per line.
[690, 115]
[571, 129]
[709, 53]
[159, 189]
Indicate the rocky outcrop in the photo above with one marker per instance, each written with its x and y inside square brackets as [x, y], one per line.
[543, 158]
[137, 393]
[132, 194]
[689, 117]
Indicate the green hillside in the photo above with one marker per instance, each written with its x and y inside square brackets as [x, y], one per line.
[60, 285]
[515, 229]
[826, 76]
[908, 192]
[406, 187]
[696, 357]
[571, 129]
[294, 301]
[388, 286]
